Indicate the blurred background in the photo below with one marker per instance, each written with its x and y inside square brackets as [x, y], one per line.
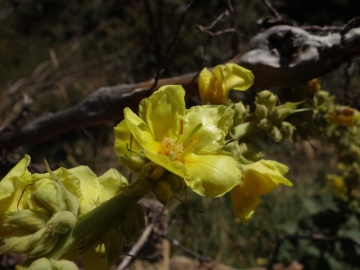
[55, 53]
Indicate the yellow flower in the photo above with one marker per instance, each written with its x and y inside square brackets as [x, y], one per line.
[214, 86]
[337, 183]
[345, 116]
[259, 178]
[186, 142]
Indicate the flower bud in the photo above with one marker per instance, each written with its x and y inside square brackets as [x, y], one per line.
[156, 173]
[48, 193]
[45, 241]
[36, 245]
[177, 183]
[114, 243]
[163, 192]
[275, 134]
[46, 264]
[261, 111]
[264, 124]
[62, 222]
[133, 223]
[267, 98]
[240, 112]
[287, 129]
[27, 219]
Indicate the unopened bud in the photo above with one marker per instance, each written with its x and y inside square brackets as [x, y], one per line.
[240, 112]
[267, 98]
[264, 124]
[46, 264]
[133, 223]
[275, 134]
[49, 195]
[156, 173]
[176, 182]
[280, 113]
[163, 192]
[287, 129]
[27, 219]
[114, 243]
[261, 111]
[62, 222]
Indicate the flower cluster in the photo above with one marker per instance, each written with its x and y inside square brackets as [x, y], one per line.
[37, 211]
[172, 146]
[167, 146]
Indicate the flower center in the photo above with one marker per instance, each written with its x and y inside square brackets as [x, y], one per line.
[172, 149]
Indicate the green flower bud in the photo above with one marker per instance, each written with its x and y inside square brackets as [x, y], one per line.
[133, 223]
[261, 111]
[27, 219]
[156, 173]
[177, 183]
[275, 134]
[281, 112]
[274, 114]
[46, 264]
[62, 222]
[267, 98]
[287, 129]
[264, 124]
[163, 192]
[240, 112]
[114, 242]
[36, 245]
[49, 194]
[44, 241]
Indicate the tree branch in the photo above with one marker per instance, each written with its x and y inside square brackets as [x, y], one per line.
[286, 55]
[281, 55]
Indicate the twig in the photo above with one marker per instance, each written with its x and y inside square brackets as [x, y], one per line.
[171, 45]
[187, 251]
[272, 9]
[136, 248]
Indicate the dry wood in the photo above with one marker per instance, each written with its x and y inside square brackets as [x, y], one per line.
[281, 55]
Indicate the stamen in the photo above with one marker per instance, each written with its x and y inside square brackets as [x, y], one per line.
[181, 126]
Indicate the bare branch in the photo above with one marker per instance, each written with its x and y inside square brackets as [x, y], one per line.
[105, 104]
[286, 55]
[281, 55]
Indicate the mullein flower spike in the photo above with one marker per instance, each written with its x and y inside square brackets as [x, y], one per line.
[38, 210]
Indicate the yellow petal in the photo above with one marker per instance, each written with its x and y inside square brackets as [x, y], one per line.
[205, 90]
[243, 206]
[211, 175]
[263, 176]
[141, 131]
[13, 185]
[161, 111]
[215, 120]
[111, 183]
